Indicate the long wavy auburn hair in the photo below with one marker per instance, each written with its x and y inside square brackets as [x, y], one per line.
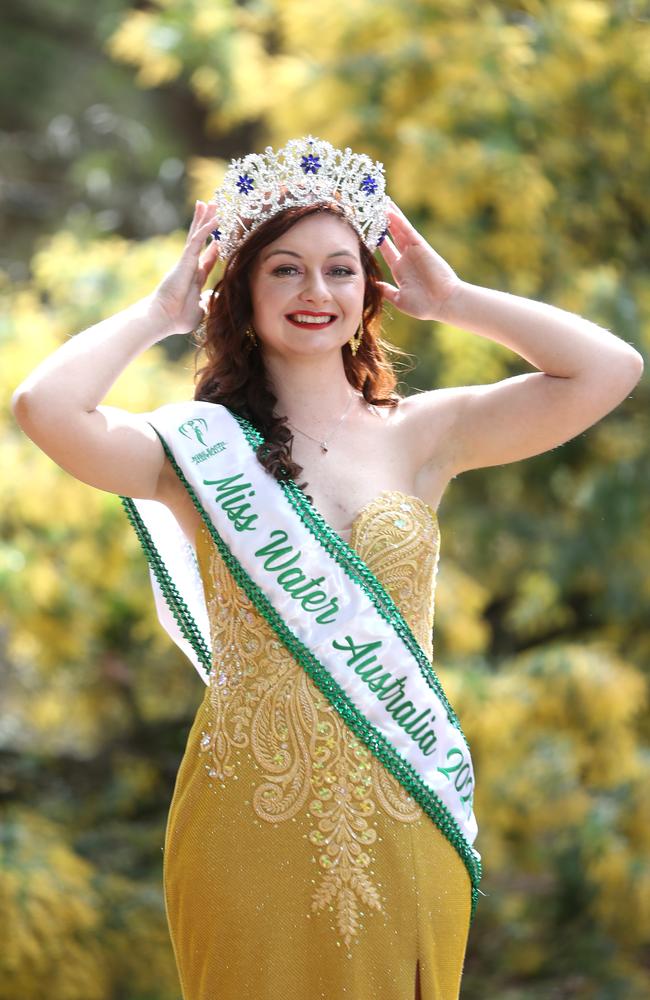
[234, 373]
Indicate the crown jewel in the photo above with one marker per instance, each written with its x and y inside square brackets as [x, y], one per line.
[257, 186]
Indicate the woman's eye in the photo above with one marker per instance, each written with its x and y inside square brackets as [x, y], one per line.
[289, 268]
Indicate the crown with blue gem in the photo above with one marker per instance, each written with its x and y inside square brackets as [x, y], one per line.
[259, 185]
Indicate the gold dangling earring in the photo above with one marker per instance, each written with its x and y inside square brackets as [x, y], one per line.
[250, 333]
[355, 340]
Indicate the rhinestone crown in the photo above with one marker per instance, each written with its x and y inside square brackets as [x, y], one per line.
[259, 185]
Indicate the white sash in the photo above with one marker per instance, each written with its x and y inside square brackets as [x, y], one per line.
[320, 598]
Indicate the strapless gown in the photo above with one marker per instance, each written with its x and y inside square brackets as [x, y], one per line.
[295, 866]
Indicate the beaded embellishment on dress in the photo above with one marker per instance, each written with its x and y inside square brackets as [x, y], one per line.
[261, 702]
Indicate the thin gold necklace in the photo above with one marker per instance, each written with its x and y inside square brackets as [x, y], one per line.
[324, 447]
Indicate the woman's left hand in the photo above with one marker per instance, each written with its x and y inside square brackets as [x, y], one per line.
[424, 279]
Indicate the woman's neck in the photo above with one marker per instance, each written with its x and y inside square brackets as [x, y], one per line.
[310, 391]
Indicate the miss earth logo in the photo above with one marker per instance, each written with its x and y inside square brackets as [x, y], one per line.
[198, 425]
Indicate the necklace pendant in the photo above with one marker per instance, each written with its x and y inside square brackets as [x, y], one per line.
[323, 447]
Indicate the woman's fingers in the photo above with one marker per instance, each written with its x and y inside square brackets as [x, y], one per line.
[398, 226]
[404, 233]
[203, 215]
[209, 222]
[389, 292]
[197, 237]
[208, 259]
[399, 215]
[196, 219]
[389, 251]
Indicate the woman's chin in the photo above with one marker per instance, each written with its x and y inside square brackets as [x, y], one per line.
[308, 346]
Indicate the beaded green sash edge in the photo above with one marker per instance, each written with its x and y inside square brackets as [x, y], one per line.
[177, 605]
[401, 770]
[356, 569]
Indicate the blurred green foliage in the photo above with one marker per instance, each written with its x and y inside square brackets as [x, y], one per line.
[515, 138]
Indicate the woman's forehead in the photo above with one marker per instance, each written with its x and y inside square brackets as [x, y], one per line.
[317, 234]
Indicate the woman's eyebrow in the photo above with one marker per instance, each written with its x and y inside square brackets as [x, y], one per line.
[292, 253]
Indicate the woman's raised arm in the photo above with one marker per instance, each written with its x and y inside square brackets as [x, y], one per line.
[584, 370]
[57, 405]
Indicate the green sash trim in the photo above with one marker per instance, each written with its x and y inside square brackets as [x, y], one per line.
[177, 605]
[361, 575]
[355, 568]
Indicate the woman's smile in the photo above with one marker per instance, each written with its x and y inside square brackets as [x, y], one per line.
[310, 320]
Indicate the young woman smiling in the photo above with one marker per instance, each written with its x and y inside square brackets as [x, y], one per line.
[320, 836]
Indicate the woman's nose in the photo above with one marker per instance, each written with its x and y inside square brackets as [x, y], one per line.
[315, 288]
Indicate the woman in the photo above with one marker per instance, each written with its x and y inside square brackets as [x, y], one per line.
[320, 837]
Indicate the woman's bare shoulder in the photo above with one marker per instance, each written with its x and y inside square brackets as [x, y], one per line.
[424, 422]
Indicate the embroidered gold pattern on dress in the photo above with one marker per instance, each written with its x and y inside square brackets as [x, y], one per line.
[263, 702]
[399, 539]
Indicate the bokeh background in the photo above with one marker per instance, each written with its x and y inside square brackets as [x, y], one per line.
[516, 137]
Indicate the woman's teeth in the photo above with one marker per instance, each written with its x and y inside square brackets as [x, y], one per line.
[303, 319]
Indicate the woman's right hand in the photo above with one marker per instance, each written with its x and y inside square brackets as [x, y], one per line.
[178, 299]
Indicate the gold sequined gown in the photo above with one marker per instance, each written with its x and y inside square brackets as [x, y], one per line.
[295, 866]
